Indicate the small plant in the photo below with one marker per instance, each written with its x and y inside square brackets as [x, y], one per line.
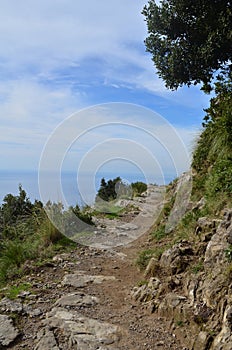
[159, 233]
[142, 283]
[228, 253]
[49, 233]
[144, 257]
[180, 323]
[138, 188]
[13, 291]
[198, 267]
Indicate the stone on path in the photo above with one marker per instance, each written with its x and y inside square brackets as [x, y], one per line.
[47, 340]
[77, 299]
[80, 280]
[8, 332]
[81, 332]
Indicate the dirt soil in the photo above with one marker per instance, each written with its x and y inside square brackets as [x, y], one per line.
[140, 329]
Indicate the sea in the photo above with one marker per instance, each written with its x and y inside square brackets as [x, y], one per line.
[69, 189]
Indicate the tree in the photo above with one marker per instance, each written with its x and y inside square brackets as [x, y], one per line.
[189, 40]
[107, 190]
[15, 208]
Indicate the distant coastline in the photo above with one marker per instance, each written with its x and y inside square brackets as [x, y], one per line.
[10, 180]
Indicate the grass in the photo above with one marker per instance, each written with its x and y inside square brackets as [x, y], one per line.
[198, 267]
[13, 291]
[159, 233]
[145, 256]
[142, 283]
[33, 242]
[107, 208]
[228, 253]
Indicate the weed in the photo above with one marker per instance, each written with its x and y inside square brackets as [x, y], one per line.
[198, 267]
[144, 257]
[142, 283]
[159, 233]
[228, 253]
[13, 291]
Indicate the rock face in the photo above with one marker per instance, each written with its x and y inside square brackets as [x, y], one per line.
[177, 258]
[8, 333]
[196, 300]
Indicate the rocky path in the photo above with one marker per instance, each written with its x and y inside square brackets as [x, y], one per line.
[82, 300]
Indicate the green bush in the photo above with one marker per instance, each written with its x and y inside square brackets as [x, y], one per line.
[144, 257]
[138, 188]
[107, 190]
[220, 178]
[159, 233]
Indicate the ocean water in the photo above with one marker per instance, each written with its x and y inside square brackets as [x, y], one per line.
[70, 189]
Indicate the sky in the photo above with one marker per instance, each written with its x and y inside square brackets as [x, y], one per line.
[59, 58]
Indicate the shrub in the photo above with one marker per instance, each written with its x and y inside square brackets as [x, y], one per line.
[107, 190]
[159, 233]
[220, 178]
[138, 188]
[144, 257]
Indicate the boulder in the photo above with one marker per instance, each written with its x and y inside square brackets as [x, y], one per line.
[82, 333]
[202, 341]
[8, 333]
[77, 299]
[46, 340]
[176, 259]
[80, 280]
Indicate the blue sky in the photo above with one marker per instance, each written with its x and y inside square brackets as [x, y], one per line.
[60, 56]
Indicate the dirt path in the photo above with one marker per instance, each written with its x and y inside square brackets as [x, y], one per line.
[110, 303]
[82, 301]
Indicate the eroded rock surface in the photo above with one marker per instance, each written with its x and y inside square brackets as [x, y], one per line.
[8, 333]
[195, 299]
[81, 332]
[79, 279]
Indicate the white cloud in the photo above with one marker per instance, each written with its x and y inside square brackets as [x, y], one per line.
[51, 51]
[67, 30]
[59, 34]
[29, 112]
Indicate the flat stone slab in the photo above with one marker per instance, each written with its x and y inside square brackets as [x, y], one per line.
[83, 333]
[127, 227]
[8, 305]
[81, 280]
[8, 333]
[77, 299]
[47, 340]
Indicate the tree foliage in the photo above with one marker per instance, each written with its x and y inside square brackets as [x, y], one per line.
[107, 190]
[138, 187]
[15, 207]
[189, 40]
